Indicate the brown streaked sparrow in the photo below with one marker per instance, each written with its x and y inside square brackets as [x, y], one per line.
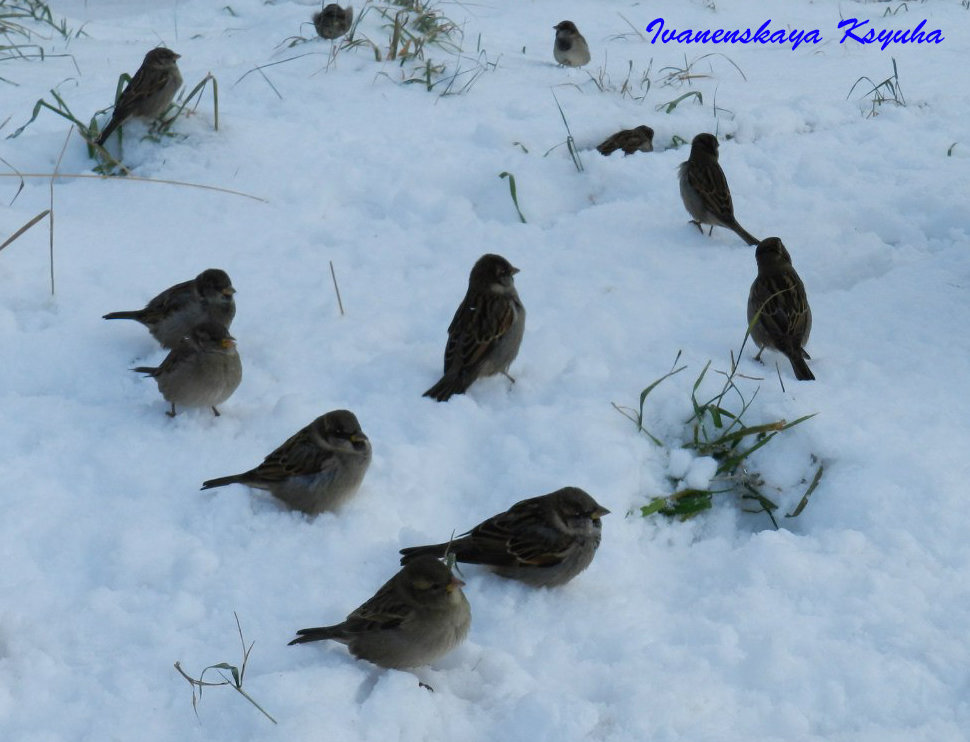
[778, 300]
[316, 469]
[417, 616]
[543, 541]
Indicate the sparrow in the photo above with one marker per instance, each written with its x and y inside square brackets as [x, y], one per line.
[175, 311]
[629, 140]
[416, 617]
[149, 92]
[317, 469]
[333, 21]
[203, 370]
[785, 318]
[543, 541]
[705, 191]
[486, 331]
[570, 48]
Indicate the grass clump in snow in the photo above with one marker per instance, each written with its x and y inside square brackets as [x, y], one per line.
[885, 92]
[13, 14]
[632, 87]
[417, 26]
[107, 164]
[236, 682]
[675, 77]
[717, 429]
[413, 28]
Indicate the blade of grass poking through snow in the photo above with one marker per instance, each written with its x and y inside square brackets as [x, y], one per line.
[808, 493]
[236, 683]
[139, 179]
[261, 67]
[24, 228]
[637, 415]
[570, 142]
[336, 288]
[669, 106]
[197, 90]
[62, 110]
[17, 173]
[684, 504]
[57, 166]
[512, 192]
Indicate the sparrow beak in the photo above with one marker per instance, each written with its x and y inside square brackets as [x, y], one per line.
[514, 270]
[228, 291]
[229, 342]
[599, 512]
[358, 438]
[454, 584]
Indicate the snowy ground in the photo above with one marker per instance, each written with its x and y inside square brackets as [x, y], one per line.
[850, 623]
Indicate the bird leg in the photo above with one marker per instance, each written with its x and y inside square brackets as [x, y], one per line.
[698, 225]
[215, 411]
[171, 412]
[506, 375]
[758, 357]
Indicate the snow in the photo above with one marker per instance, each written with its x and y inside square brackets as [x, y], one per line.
[848, 623]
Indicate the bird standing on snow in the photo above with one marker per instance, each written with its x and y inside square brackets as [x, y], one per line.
[570, 48]
[173, 313]
[785, 319]
[316, 469]
[486, 331]
[705, 191]
[543, 541]
[333, 21]
[416, 617]
[629, 140]
[149, 92]
[203, 370]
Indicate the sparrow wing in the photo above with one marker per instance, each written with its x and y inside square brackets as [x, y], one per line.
[481, 319]
[708, 180]
[300, 455]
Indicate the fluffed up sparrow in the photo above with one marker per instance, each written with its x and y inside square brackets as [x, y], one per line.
[629, 140]
[417, 616]
[333, 21]
[543, 541]
[149, 92]
[203, 370]
[705, 191]
[317, 469]
[486, 331]
[570, 48]
[785, 319]
[175, 311]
